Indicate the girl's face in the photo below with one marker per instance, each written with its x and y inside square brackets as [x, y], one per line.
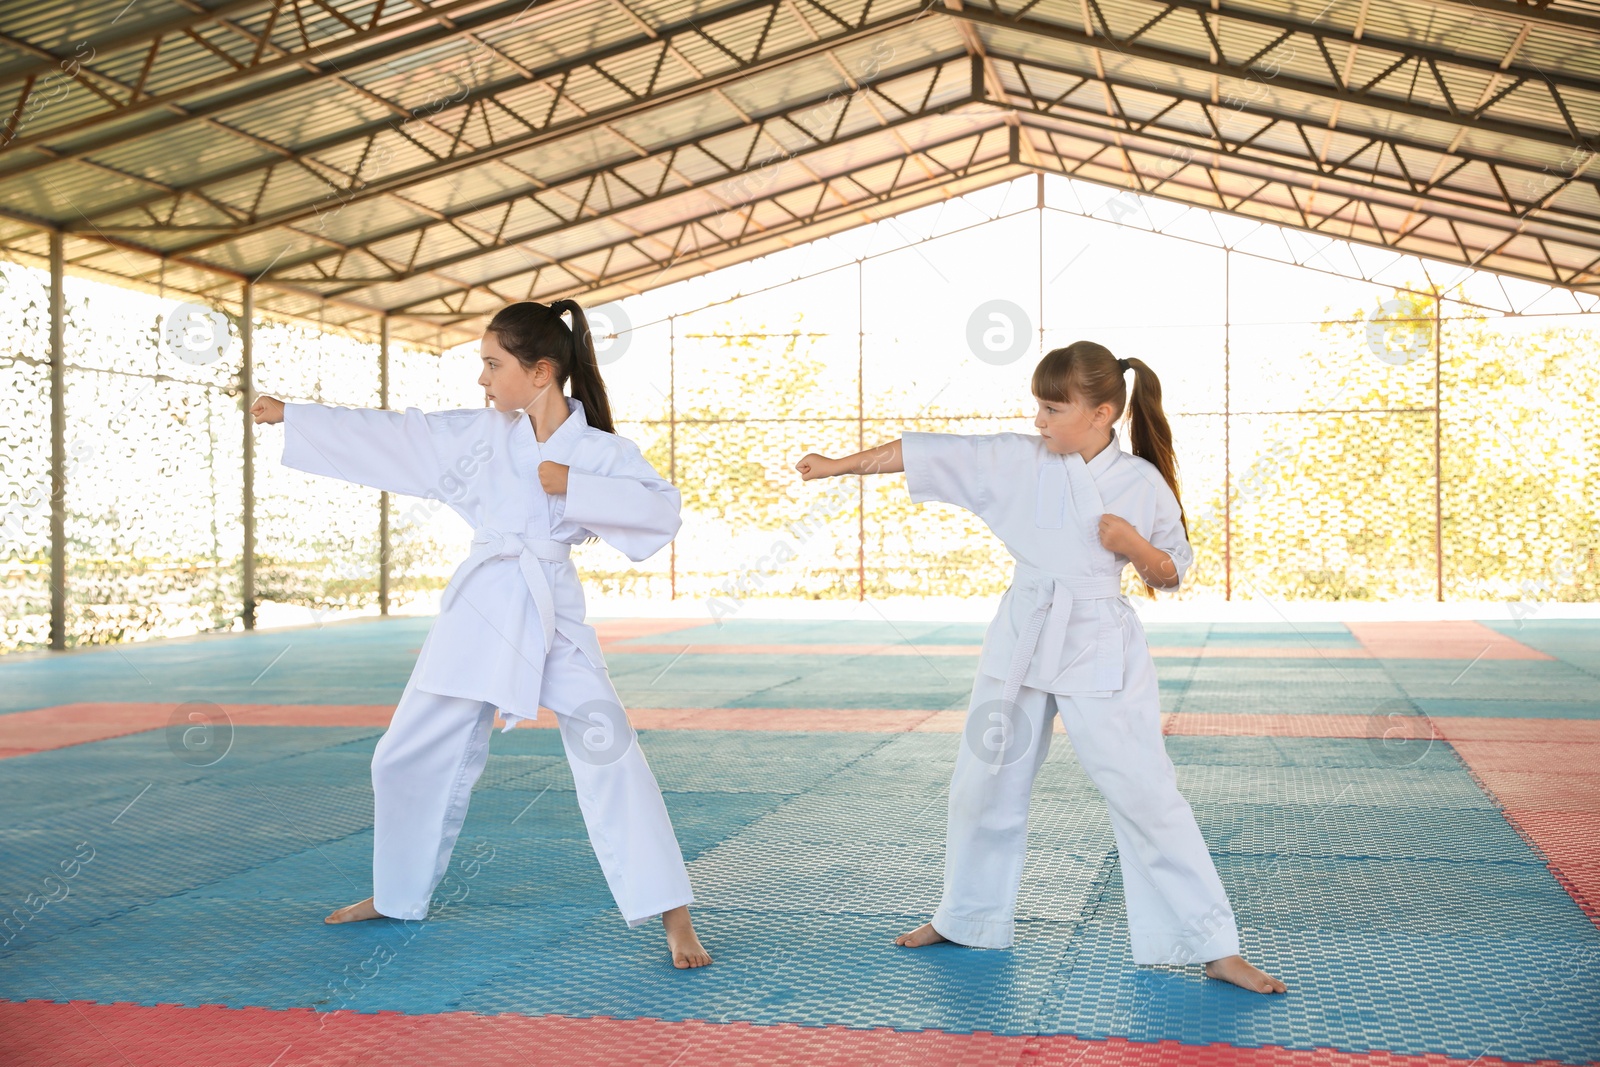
[507, 384]
[1070, 427]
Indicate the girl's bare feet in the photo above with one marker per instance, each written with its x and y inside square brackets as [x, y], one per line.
[1242, 974]
[682, 940]
[922, 935]
[354, 913]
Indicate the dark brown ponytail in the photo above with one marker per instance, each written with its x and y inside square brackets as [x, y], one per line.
[1088, 372]
[532, 331]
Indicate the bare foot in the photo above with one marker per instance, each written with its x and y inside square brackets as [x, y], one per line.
[354, 913]
[682, 940]
[1244, 975]
[922, 935]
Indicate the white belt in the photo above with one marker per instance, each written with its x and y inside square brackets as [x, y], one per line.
[489, 543]
[1053, 596]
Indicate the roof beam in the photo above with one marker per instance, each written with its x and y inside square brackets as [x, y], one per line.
[139, 36]
[1518, 11]
[1219, 66]
[559, 73]
[1332, 223]
[532, 138]
[861, 137]
[384, 43]
[676, 235]
[1183, 136]
[669, 150]
[1326, 33]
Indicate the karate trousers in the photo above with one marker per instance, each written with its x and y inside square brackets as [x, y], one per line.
[1178, 911]
[425, 765]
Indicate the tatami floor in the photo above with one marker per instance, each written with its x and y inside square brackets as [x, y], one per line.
[1406, 816]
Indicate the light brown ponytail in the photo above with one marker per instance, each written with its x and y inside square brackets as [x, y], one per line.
[531, 331]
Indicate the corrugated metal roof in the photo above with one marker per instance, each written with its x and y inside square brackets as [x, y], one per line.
[430, 161]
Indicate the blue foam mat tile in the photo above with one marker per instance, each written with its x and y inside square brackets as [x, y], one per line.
[1503, 679]
[941, 696]
[121, 767]
[1231, 698]
[240, 953]
[833, 969]
[1509, 709]
[701, 820]
[330, 871]
[1420, 752]
[1383, 989]
[1428, 897]
[1403, 788]
[756, 869]
[1353, 831]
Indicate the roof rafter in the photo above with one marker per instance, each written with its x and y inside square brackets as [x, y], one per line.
[541, 134]
[707, 241]
[666, 153]
[599, 174]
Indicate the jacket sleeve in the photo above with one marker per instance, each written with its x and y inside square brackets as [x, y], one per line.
[631, 508]
[389, 450]
[953, 468]
[1167, 533]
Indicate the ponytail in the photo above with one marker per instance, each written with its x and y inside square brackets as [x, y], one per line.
[531, 331]
[587, 386]
[1148, 431]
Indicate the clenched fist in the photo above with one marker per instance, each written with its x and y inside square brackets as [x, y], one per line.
[267, 409]
[553, 477]
[812, 466]
[1118, 535]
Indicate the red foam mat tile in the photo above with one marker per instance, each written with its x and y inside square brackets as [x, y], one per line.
[1470, 728]
[1542, 792]
[1221, 724]
[1569, 838]
[612, 630]
[866, 720]
[1439, 640]
[696, 647]
[1570, 841]
[74, 724]
[80, 1034]
[310, 714]
[1544, 757]
[804, 650]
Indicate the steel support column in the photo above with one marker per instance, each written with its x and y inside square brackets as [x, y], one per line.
[247, 577]
[383, 497]
[58, 447]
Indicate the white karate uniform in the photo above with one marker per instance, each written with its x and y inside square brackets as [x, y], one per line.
[1065, 638]
[510, 634]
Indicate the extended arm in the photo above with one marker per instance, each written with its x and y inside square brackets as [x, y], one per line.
[389, 450]
[884, 459]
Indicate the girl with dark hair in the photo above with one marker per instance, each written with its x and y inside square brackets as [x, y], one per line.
[534, 472]
[1073, 509]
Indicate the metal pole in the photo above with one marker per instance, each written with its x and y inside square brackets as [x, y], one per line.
[861, 442]
[58, 447]
[1227, 424]
[672, 434]
[1438, 461]
[1040, 176]
[247, 580]
[383, 497]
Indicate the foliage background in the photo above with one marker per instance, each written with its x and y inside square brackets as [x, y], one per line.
[1303, 409]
